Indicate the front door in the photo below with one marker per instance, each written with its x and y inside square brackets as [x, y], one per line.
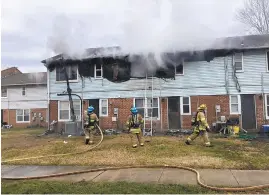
[174, 112]
[248, 112]
[95, 104]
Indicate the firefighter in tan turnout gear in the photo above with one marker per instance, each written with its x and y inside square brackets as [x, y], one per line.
[90, 120]
[134, 124]
[200, 126]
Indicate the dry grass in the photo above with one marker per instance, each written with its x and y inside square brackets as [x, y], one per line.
[117, 151]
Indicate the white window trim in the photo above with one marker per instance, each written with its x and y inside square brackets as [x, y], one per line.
[24, 91]
[238, 71]
[100, 107]
[23, 116]
[177, 74]
[181, 105]
[149, 118]
[267, 60]
[102, 72]
[70, 81]
[239, 104]
[66, 120]
[1, 93]
[266, 103]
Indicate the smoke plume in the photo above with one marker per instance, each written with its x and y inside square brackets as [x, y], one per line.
[138, 27]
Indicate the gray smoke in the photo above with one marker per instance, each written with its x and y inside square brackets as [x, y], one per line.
[152, 26]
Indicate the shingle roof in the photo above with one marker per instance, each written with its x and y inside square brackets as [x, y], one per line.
[25, 79]
[226, 43]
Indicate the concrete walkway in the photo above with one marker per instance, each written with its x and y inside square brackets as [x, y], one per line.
[214, 177]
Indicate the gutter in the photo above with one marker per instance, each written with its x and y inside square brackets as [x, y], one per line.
[48, 97]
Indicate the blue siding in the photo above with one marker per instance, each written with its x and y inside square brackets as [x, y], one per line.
[200, 78]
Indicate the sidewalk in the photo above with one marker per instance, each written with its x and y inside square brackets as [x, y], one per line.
[214, 177]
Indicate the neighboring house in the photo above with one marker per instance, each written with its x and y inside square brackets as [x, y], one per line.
[24, 99]
[233, 74]
[10, 71]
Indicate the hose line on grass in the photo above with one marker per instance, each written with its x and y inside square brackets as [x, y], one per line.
[257, 187]
[57, 155]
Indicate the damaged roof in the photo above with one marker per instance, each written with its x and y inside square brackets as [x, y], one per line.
[226, 43]
[38, 78]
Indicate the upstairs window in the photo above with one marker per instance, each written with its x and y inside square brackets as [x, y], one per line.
[238, 62]
[4, 92]
[72, 73]
[98, 71]
[23, 92]
[180, 69]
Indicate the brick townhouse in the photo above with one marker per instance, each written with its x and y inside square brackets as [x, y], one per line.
[232, 76]
[24, 99]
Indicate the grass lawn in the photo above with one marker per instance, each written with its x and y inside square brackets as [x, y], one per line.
[117, 151]
[54, 187]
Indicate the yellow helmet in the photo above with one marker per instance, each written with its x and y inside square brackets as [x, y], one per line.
[202, 107]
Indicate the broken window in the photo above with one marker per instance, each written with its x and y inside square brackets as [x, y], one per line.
[238, 62]
[72, 73]
[98, 72]
[179, 69]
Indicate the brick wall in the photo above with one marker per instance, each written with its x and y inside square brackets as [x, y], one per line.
[124, 105]
[9, 116]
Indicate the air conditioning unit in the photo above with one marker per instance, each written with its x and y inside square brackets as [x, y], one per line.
[71, 128]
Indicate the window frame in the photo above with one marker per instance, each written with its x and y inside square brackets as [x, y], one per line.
[69, 109]
[146, 114]
[100, 107]
[64, 81]
[177, 74]
[267, 60]
[239, 105]
[23, 116]
[102, 72]
[242, 58]
[6, 92]
[181, 105]
[23, 90]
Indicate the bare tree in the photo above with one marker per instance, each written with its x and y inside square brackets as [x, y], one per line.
[255, 14]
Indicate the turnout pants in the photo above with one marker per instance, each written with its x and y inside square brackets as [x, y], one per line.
[202, 133]
[136, 137]
[89, 132]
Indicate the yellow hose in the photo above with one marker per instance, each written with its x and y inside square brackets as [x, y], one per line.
[56, 155]
[259, 187]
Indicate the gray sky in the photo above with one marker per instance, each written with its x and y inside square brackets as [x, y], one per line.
[33, 30]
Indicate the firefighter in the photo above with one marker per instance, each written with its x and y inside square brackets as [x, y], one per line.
[200, 126]
[134, 124]
[90, 120]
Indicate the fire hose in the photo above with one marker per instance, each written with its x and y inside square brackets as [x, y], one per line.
[257, 187]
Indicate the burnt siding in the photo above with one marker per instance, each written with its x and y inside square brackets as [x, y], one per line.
[200, 78]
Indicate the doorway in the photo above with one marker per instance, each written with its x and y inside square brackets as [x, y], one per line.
[174, 118]
[248, 111]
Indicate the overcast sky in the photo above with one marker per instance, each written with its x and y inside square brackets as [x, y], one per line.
[33, 30]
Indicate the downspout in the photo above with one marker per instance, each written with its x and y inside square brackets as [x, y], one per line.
[263, 100]
[48, 96]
